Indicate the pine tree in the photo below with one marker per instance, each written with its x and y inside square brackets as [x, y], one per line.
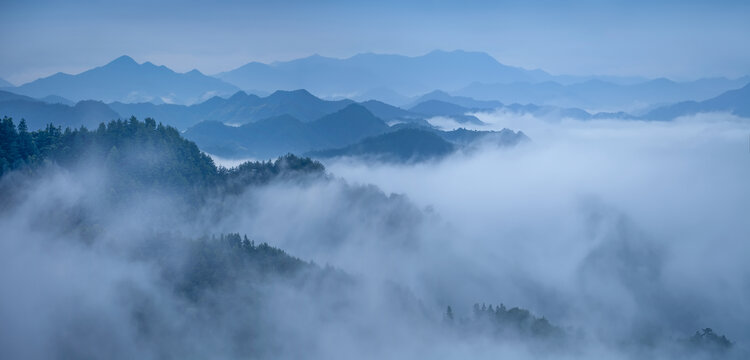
[26, 147]
[449, 314]
[9, 149]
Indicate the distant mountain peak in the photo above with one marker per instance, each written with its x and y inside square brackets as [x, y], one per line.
[292, 93]
[355, 108]
[5, 83]
[440, 52]
[402, 74]
[662, 80]
[459, 52]
[123, 79]
[436, 93]
[123, 60]
[238, 95]
[300, 92]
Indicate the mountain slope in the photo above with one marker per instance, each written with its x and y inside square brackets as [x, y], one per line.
[433, 108]
[39, 113]
[125, 80]
[54, 99]
[5, 84]
[464, 101]
[263, 139]
[438, 108]
[438, 103]
[472, 138]
[240, 108]
[387, 112]
[396, 73]
[381, 94]
[178, 116]
[402, 145]
[599, 94]
[300, 104]
[347, 126]
[736, 102]
[8, 96]
[283, 134]
[414, 144]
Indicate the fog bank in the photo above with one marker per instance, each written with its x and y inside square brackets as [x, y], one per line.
[630, 236]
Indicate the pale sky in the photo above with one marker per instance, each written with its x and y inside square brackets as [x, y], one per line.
[676, 39]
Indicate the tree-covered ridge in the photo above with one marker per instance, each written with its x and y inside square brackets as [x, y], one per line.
[518, 324]
[707, 340]
[182, 161]
[505, 322]
[403, 145]
[17, 145]
[138, 155]
[209, 262]
[215, 284]
[214, 262]
[260, 172]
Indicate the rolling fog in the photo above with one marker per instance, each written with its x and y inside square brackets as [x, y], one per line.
[639, 224]
[617, 231]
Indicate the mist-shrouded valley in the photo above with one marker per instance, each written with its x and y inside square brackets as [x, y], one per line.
[387, 199]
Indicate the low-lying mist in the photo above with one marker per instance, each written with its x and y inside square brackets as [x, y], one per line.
[630, 236]
[623, 228]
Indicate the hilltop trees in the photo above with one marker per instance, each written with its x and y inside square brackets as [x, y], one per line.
[139, 155]
[707, 340]
[505, 323]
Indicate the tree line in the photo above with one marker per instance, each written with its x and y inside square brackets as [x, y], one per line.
[139, 155]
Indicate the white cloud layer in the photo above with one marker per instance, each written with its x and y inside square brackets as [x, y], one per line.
[618, 230]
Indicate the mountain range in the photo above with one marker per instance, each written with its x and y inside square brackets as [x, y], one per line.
[242, 108]
[125, 80]
[38, 113]
[246, 125]
[414, 144]
[285, 133]
[239, 108]
[469, 77]
[369, 72]
[351, 131]
[736, 102]
[464, 101]
[396, 79]
[402, 145]
[601, 95]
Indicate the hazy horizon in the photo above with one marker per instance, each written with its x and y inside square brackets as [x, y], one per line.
[677, 40]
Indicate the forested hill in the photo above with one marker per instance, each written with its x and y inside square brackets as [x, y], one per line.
[137, 155]
[214, 264]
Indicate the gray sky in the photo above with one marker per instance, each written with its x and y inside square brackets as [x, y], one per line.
[676, 39]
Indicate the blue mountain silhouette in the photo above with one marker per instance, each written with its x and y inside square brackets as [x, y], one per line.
[125, 80]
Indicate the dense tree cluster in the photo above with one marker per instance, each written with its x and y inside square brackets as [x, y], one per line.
[122, 144]
[503, 321]
[139, 155]
[260, 172]
[517, 319]
[212, 262]
[214, 265]
[707, 340]
[520, 324]
[18, 147]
